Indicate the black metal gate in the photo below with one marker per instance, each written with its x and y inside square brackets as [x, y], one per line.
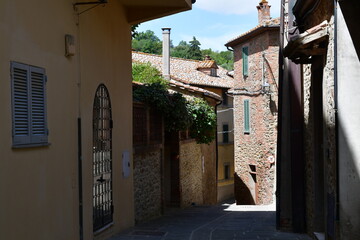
[102, 160]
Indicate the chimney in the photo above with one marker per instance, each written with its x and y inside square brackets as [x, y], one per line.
[166, 52]
[263, 11]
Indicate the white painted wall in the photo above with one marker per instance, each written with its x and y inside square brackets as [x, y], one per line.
[349, 132]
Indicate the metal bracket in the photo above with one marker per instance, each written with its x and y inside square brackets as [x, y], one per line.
[87, 3]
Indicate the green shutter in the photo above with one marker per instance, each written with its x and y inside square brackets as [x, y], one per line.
[245, 54]
[246, 116]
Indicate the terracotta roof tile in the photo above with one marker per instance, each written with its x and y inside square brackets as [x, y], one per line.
[185, 71]
[207, 64]
[178, 84]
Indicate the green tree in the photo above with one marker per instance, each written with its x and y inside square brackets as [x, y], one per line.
[147, 42]
[194, 51]
[224, 59]
[134, 33]
[145, 73]
[180, 50]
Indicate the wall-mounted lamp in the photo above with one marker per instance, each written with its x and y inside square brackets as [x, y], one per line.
[69, 45]
[266, 87]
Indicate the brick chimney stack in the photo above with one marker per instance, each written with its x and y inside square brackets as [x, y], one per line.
[263, 11]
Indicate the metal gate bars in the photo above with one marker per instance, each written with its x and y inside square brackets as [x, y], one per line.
[102, 160]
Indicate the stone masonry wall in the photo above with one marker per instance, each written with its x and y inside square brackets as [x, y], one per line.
[190, 174]
[209, 180]
[329, 137]
[308, 145]
[256, 184]
[147, 185]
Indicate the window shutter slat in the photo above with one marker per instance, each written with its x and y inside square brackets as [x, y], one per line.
[20, 104]
[245, 54]
[28, 105]
[38, 110]
[246, 116]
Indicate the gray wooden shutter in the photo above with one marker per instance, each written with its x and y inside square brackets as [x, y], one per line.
[38, 108]
[28, 105]
[246, 116]
[245, 54]
[20, 103]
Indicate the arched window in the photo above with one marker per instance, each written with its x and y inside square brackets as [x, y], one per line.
[102, 159]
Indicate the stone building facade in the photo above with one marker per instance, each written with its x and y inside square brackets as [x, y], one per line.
[208, 76]
[170, 169]
[319, 173]
[255, 109]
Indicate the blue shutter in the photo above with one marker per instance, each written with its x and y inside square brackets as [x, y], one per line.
[245, 54]
[38, 107]
[246, 116]
[20, 103]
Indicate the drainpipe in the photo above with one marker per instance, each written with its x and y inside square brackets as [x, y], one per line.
[280, 125]
[166, 52]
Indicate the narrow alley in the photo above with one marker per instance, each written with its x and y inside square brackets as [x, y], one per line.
[224, 221]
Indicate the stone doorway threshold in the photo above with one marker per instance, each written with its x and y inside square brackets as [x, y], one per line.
[319, 236]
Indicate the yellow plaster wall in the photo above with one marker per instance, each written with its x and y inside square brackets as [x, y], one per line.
[39, 186]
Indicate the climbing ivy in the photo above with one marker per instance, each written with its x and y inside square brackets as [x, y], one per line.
[203, 127]
[179, 113]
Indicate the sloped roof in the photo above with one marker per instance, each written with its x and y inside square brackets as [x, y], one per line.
[207, 64]
[272, 24]
[177, 84]
[185, 71]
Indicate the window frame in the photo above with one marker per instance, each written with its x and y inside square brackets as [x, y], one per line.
[213, 72]
[247, 122]
[225, 101]
[227, 171]
[225, 133]
[245, 61]
[29, 112]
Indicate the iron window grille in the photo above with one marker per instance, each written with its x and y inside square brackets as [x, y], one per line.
[102, 160]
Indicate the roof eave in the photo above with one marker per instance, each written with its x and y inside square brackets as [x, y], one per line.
[252, 34]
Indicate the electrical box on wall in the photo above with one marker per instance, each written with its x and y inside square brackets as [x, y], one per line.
[69, 45]
[126, 164]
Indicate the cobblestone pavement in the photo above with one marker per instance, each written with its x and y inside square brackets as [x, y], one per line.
[222, 222]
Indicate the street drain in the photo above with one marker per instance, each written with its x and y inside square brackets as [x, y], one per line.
[148, 233]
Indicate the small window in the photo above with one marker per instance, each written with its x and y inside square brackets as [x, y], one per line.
[225, 98]
[245, 54]
[226, 171]
[213, 72]
[29, 120]
[246, 116]
[225, 133]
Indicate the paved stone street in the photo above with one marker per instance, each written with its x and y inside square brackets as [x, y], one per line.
[222, 222]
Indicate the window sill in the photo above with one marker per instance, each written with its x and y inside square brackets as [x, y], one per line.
[32, 145]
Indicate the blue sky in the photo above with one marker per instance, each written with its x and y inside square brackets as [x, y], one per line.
[212, 22]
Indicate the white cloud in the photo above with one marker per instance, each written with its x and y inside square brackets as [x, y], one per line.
[236, 6]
